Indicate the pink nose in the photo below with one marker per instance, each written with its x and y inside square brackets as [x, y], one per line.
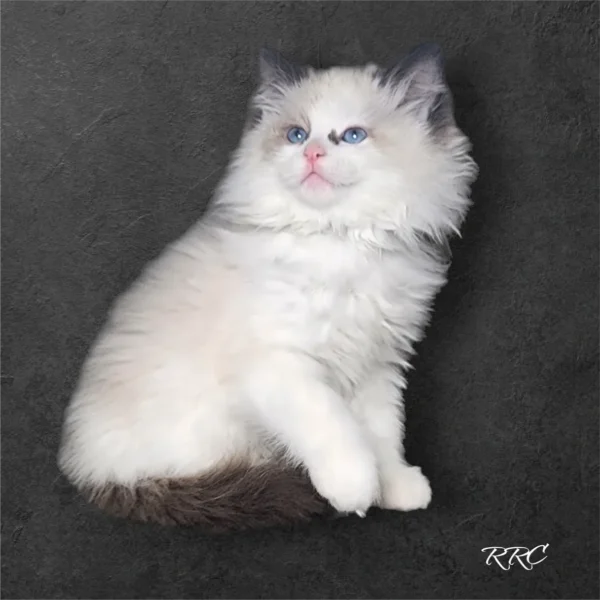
[313, 152]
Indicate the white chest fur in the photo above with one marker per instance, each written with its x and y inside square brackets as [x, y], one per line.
[346, 303]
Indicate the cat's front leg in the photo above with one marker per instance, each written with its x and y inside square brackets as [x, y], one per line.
[378, 404]
[292, 402]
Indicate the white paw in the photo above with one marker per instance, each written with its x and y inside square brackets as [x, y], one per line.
[350, 484]
[406, 488]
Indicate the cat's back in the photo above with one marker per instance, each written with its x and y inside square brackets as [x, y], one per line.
[184, 311]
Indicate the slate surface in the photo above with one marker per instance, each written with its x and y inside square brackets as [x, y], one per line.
[118, 118]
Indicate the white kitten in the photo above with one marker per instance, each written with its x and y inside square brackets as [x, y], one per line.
[270, 340]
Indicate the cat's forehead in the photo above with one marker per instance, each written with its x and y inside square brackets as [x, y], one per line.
[338, 96]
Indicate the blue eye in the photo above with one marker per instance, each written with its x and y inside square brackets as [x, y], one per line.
[296, 135]
[354, 135]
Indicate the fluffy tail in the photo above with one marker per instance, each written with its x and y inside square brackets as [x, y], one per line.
[231, 498]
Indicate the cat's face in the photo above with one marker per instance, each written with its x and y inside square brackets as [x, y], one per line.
[332, 137]
[351, 145]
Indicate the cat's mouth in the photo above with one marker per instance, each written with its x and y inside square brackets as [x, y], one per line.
[316, 180]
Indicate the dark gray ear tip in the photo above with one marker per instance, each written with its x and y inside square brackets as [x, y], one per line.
[428, 51]
[276, 67]
[428, 55]
[267, 53]
[268, 56]
[270, 62]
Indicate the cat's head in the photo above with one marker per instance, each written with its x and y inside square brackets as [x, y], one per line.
[359, 147]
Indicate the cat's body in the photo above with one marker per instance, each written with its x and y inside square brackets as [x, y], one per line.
[274, 334]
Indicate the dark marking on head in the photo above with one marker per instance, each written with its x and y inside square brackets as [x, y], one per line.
[276, 75]
[422, 72]
[441, 111]
[425, 61]
[333, 137]
[276, 69]
[253, 116]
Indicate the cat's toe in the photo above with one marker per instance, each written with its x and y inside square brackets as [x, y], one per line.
[406, 489]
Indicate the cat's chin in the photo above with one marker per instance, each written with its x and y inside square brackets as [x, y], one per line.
[321, 193]
[319, 197]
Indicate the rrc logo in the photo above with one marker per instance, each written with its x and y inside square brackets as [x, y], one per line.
[506, 557]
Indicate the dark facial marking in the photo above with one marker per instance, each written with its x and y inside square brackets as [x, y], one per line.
[333, 137]
[423, 69]
[275, 68]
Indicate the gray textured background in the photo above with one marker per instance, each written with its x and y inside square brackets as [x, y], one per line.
[118, 119]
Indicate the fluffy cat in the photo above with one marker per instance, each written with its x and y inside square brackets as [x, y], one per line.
[253, 374]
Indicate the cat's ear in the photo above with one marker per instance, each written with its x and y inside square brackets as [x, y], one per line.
[277, 75]
[419, 80]
[277, 70]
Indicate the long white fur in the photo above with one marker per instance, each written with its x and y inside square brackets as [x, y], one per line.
[285, 319]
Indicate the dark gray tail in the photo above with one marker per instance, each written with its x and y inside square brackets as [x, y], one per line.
[232, 498]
